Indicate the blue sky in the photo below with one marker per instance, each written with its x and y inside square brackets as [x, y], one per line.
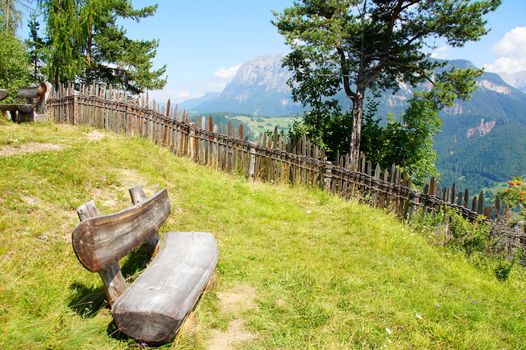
[202, 42]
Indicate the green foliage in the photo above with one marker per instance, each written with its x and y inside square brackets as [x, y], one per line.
[35, 46]
[14, 67]
[88, 45]
[329, 130]
[407, 141]
[449, 228]
[357, 46]
[503, 269]
[487, 243]
[63, 53]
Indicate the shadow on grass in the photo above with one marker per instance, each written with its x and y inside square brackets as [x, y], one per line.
[116, 334]
[86, 301]
[136, 261]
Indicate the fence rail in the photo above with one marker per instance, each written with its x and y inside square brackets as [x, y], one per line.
[273, 159]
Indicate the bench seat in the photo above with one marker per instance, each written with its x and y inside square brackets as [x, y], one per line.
[154, 306]
[26, 108]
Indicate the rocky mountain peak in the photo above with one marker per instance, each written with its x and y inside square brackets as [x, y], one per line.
[263, 73]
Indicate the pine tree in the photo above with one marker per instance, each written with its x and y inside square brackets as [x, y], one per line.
[98, 49]
[35, 45]
[111, 56]
[63, 53]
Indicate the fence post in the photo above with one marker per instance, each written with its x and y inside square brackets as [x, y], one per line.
[327, 177]
[252, 164]
[75, 109]
[191, 140]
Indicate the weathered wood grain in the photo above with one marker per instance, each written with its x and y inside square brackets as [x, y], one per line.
[137, 196]
[100, 241]
[32, 91]
[26, 108]
[114, 283]
[155, 305]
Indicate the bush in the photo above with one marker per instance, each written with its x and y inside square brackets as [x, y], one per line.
[14, 66]
[491, 241]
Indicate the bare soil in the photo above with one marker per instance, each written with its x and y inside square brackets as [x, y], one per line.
[6, 151]
[235, 301]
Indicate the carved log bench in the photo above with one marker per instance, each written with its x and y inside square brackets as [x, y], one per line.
[35, 97]
[154, 306]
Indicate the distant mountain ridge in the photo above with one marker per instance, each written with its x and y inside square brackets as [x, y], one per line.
[483, 140]
[192, 103]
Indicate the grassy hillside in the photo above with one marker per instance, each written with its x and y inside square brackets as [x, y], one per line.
[298, 268]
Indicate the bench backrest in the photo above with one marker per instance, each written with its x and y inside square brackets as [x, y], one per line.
[101, 241]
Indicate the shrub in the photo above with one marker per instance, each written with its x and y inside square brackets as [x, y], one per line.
[492, 241]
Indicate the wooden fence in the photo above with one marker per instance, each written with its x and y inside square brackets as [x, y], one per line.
[272, 159]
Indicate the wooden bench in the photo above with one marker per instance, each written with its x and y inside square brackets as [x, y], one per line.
[154, 306]
[35, 97]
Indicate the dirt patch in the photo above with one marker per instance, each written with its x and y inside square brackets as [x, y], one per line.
[130, 178]
[238, 299]
[231, 337]
[111, 197]
[31, 200]
[95, 135]
[106, 196]
[31, 147]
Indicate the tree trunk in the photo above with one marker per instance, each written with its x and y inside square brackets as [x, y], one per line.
[7, 14]
[356, 134]
[88, 48]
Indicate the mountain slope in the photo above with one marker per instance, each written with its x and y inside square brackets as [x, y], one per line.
[482, 140]
[193, 102]
[323, 272]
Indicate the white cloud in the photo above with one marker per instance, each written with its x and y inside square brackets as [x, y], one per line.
[227, 73]
[510, 51]
[176, 96]
[183, 94]
[440, 52]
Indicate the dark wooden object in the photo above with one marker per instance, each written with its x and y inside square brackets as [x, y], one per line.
[35, 97]
[32, 91]
[111, 276]
[153, 308]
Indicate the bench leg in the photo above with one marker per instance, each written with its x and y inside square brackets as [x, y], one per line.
[113, 280]
[23, 117]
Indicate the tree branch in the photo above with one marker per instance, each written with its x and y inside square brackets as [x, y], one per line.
[345, 70]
